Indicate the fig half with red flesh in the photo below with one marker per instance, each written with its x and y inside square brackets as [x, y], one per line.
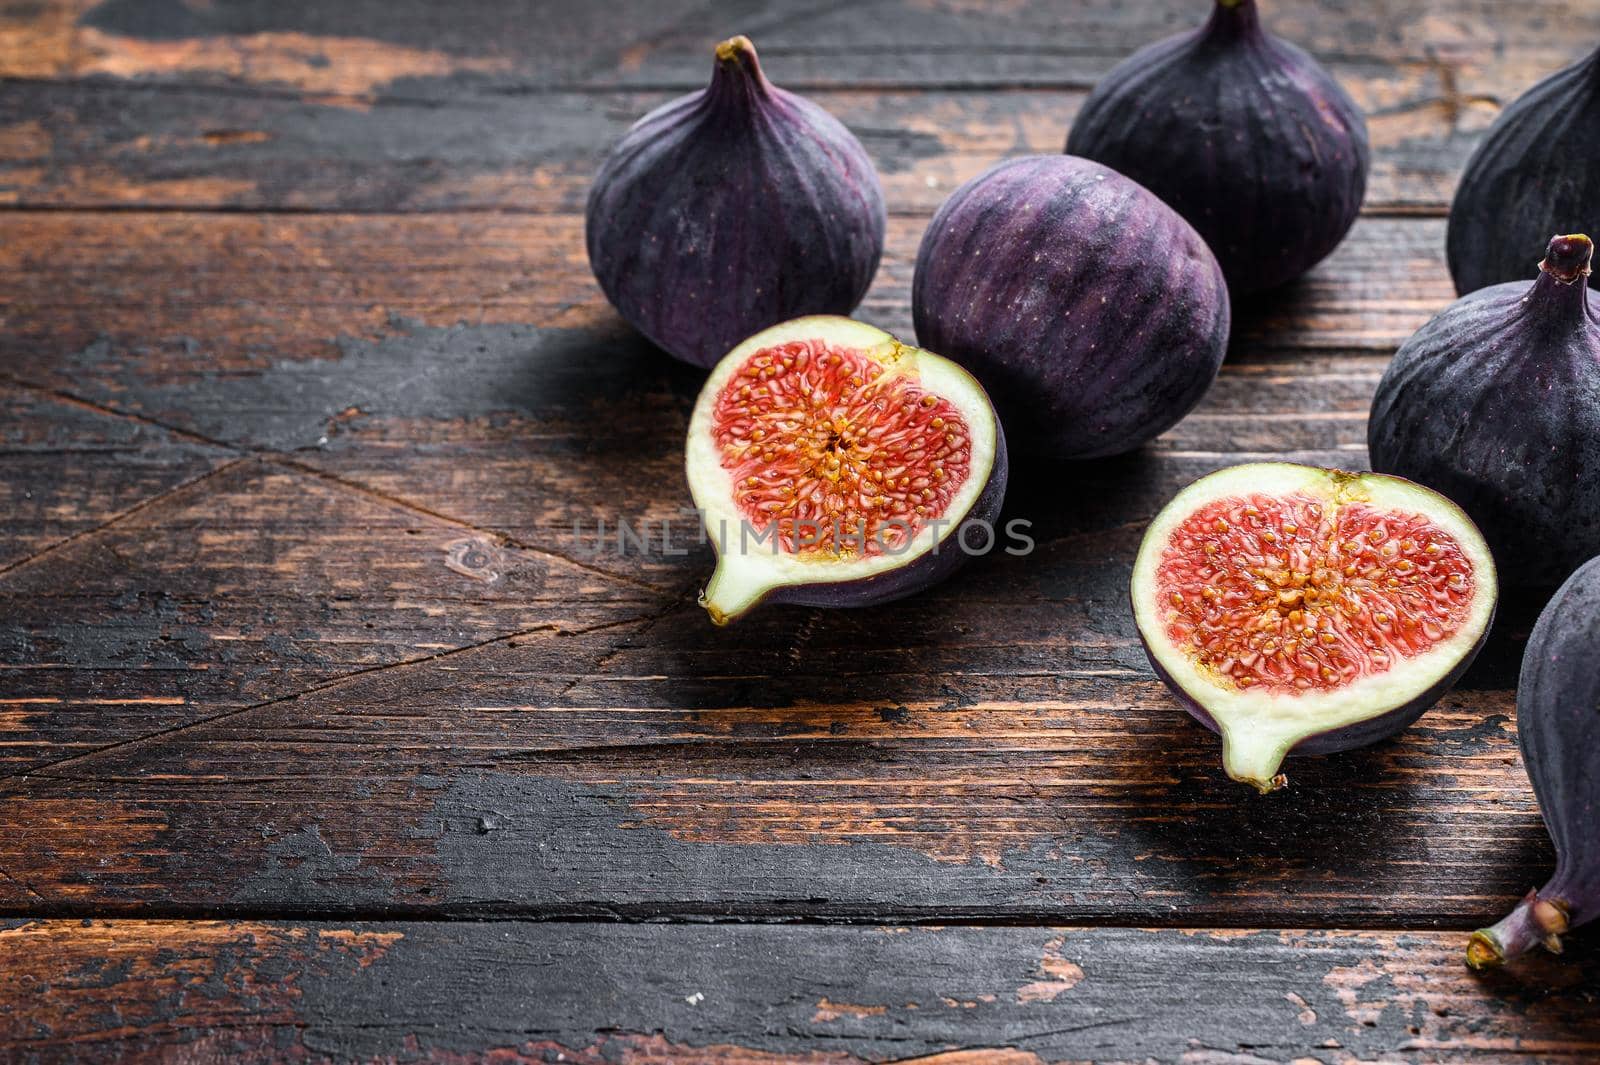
[835, 466]
[1294, 609]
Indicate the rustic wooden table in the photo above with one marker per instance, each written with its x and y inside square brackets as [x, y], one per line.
[326, 733]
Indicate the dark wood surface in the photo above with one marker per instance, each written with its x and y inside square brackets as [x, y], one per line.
[327, 734]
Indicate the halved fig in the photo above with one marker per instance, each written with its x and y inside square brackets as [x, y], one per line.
[835, 466]
[1302, 610]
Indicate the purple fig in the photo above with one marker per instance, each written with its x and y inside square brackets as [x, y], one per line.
[1298, 610]
[1095, 316]
[732, 209]
[835, 466]
[1496, 403]
[1536, 172]
[1244, 134]
[1558, 729]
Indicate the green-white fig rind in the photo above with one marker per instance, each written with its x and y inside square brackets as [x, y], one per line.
[1259, 729]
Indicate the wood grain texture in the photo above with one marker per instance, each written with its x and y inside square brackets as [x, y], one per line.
[510, 992]
[798, 763]
[544, 777]
[66, 469]
[143, 144]
[252, 584]
[289, 106]
[93, 296]
[310, 417]
[277, 318]
[448, 141]
[466, 363]
[358, 47]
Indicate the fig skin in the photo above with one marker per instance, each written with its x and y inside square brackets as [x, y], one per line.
[1244, 134]
[1558, 729]
[1496, 404]
[733, 209]
[1536, 172]
[1095, 316]
[1349, 737]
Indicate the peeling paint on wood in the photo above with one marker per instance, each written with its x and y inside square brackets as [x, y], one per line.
[259, 991]
[302, 615]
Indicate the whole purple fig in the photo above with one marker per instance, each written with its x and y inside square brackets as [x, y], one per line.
[733, 209]
[1496, 404]
[1092, 313]
[1536, 172]
[1558, 728]
[1244, 134]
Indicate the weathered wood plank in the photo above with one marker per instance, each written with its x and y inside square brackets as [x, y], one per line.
[121, 143]
[66, 469]
[247, 992]
[996, 747]
[364, 46]
[1028, 767]
[800, 756]
[392, 351]
[253, 584]
[137, 300]
[276, 326]
[395, 109]
[521, 431]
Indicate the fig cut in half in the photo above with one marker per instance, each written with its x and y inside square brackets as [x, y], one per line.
[833, 465]
[1301, 610]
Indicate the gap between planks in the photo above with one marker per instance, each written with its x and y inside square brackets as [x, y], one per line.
[1386, 212]
[768, 915]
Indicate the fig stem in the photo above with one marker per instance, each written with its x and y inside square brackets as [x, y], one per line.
[1560, 295]
[1567, 258]
[1534, 922]
[736, 49]
[1233, 19]
[736, 76]
[1254, 760]
[734, 588]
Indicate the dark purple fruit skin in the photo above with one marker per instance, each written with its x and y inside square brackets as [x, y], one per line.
[1558, 729]
[731, 210]
[1537, 172]
[1496, 405]
[921, 573]
[1095, 317]
[1244, 134]
[1360, 734]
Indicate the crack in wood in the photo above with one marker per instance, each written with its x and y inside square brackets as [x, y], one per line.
[278, 459]
[25, 886]
[650, 621]
[118, 518]
[334, 682]
[283, 461]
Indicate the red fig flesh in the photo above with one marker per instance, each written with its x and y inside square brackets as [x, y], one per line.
[1297, 609]
[835, 466]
